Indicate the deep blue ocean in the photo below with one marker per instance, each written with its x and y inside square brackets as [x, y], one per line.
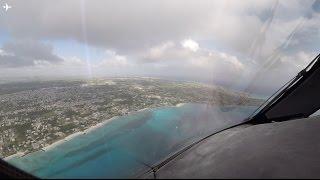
[128, 145]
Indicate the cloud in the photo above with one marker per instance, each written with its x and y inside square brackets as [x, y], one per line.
[228, 41]
[174, 59]
[134, 26]
[316, 6]
[109, 24]
[27, 53]
[114, 60]
[268, 80]
[131, 26]
[190, 44]
[188, 59]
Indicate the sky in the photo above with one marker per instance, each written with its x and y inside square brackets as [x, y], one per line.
[254, 46]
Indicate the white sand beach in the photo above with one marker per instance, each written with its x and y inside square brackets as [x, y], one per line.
[98, 125]
[71, 136]
[180, 104]
[144, 109]
[68, 138]
[19, 154]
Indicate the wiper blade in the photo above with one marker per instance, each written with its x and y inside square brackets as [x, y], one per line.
[154, 169]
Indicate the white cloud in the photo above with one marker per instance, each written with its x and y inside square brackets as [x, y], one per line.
[160, 50]
[296, 62]
[21, 53]
[190, 44]
[2, 52]
[174, 58]
[73, 61]
[113, 60]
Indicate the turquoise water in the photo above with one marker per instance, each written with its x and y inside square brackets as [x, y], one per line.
[128, 145]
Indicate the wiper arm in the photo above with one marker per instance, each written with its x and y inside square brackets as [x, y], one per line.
[156, 167]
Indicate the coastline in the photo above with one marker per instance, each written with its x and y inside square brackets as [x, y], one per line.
[67, 138]
[71, 136]
[18, 154]
[63, 140]
[180, 104]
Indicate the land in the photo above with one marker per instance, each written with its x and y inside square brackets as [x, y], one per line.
[34, 115]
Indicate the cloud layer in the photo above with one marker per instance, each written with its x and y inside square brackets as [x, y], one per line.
[27, 53]
[253, 45]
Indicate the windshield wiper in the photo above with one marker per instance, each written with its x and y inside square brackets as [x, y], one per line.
[156, 167]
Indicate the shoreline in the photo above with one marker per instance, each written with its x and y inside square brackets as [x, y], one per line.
[18, 154]
[71, 136]
[180, 104]
[63, 140]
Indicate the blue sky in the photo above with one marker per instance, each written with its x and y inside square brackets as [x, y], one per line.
[4, 36]
[69, 48]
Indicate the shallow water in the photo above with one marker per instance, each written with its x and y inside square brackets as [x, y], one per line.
[127, 145]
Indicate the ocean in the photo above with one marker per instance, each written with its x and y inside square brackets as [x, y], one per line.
[128, 145]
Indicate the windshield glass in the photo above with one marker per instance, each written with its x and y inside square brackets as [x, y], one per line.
[110, 89]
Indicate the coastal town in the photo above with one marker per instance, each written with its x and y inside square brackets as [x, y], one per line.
[34, 115]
